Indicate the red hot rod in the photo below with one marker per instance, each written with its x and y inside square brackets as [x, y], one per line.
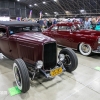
[33, 52]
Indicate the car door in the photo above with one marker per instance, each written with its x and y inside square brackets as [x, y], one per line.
[52, 31]
[65, 35]
[76, 36]
[4, 42]
[55, 34]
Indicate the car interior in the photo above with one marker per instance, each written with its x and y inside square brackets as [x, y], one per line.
[2, 32]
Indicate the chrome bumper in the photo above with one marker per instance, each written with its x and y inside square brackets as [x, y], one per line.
[47, 75]
[97, 51]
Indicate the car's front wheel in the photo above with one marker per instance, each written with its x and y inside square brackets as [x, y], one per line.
[70, 62]
[21, 75]
[85, 49]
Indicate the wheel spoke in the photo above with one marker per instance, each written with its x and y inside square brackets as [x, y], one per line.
[67, 60]
[85, 48]
[17, 76]
[21, 75]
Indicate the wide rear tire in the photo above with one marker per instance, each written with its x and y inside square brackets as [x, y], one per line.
[21, 75]
[71, 61]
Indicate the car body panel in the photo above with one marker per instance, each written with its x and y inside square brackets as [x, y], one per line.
[25, 45]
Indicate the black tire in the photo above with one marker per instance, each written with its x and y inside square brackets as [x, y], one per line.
[73, 59]
[22, 74]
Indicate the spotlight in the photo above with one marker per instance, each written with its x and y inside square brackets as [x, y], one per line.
[35, 4]
[44, 2]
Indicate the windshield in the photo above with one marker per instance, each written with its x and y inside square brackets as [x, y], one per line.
[77, 27]
[18, 29]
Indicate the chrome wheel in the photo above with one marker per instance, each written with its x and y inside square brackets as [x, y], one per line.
[85, 49]
[17, 76]
[21, 75]
[70, 62]
[67, 60]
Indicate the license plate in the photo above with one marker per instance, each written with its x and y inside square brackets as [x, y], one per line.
[56, 71]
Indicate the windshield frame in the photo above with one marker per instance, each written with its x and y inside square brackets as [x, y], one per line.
[77, 27]
[13, 29]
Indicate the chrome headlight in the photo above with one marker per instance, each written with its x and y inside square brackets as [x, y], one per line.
[61, 57]
[99, 40]
[39, 64]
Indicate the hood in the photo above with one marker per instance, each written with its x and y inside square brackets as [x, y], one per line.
[27, 36]
[90, 32]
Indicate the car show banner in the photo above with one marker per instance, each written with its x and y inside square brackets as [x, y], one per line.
[30, 15]
[40, 14]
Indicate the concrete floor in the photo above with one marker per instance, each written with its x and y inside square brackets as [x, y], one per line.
[82, 84]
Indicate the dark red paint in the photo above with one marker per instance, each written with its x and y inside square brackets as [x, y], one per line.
[74, 38]
[25, 45]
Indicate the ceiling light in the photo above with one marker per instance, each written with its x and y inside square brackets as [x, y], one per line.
[82, 10]
[55, 0]
[44, 2]
[30, 5]
[55, 12]
[66, 11]
[35, 4]
[46, 13]
[18, 0]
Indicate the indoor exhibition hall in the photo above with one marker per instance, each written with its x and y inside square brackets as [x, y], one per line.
[49, 49]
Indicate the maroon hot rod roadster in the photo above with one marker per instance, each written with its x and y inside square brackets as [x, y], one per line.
[23, 42]
[71, 35]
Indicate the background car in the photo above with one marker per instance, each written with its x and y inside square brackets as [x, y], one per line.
[72, 35]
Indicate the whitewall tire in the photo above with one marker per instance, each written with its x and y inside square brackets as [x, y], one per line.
[21, 75]
[85, 49]
[19, 84]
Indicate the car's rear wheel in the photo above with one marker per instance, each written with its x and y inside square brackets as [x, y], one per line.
[21, 75]
[71, 61]
[85, 49]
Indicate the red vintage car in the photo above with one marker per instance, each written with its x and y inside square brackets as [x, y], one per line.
[33, 52]
[72, 35]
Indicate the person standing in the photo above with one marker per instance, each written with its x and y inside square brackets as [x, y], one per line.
[93, 23]
[41, 23]
[38, 21]
[87, 24]
[45, 23]
[49, 23]
[54, 21]
[98, 22]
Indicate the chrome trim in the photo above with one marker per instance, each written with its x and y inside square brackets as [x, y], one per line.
[47, 75]
[98, 40]
[65, 46]
[96, 51]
